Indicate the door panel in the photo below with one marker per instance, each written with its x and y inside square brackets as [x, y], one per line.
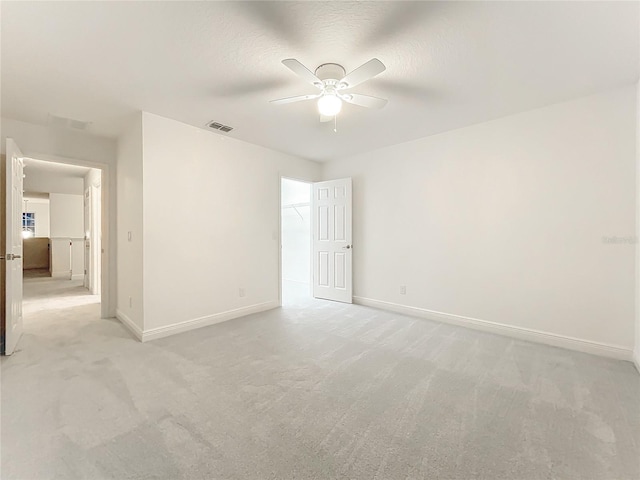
[331, 204]
[96, 240]
[87, 239]
[13, 258]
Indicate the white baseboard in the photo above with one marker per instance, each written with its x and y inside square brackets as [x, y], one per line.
[160, 332]
[586, 346]
[130, 324]
[65, 274]
[636, 358]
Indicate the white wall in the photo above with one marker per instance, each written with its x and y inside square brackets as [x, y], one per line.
[68, 146]
[60, 257]
[50, 182]
[211, 224]
[66, 215]
[636, 354]
[130, 188]
[40, 207]
[67, 258]
[33, 139]
[67, 226]
[505, 222]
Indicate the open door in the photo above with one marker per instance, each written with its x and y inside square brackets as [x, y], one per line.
[13, 257]
[332, 263]
[87, 239]
[96, 238]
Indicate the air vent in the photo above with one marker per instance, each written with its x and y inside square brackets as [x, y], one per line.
[219, 126]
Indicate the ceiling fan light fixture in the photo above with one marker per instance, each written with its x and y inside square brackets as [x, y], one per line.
[329, 105]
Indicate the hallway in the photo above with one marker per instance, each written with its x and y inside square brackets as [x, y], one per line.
[44, 295]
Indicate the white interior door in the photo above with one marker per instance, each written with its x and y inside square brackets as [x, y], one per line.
[13, 257]
[332, 263]
[96, 238]
[87, 239]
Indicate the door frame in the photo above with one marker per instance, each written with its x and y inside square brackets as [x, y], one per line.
[310, 183]
[107, 226]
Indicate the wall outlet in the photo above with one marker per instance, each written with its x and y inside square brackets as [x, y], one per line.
[130, 302]
[403, 289]
[241, 292]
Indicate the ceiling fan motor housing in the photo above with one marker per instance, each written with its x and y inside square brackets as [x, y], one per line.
[330, 73]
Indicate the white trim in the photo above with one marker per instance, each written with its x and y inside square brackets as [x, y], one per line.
[586, 346]
[61, 274]
[636, 358]
[64, 274]
[130, 324]
[160, 332]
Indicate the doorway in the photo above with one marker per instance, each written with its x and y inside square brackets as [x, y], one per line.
[53, 181]
[61, 231]
[295, 222]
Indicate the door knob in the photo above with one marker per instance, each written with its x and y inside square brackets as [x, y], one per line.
[348, 247]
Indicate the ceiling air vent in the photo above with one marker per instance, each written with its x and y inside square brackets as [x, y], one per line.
[219, 126]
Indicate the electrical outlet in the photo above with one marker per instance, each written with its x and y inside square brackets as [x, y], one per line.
[403, 289]
[241, 292]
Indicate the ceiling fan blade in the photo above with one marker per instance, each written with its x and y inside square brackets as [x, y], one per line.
[364, 100]
[325, 118]
[299, 98]
[303, 72]
[361, 74]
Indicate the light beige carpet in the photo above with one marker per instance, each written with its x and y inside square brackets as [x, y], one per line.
[315, 390]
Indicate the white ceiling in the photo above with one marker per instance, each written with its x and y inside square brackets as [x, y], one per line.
[53, 168]
[50, 177]
[449, 64]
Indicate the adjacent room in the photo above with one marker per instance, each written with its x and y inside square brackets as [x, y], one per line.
[295, 197]
[320, 240]
[61, 230]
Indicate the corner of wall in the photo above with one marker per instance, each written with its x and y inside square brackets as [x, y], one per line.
[229, 252]
[130, 307]
[636, 350]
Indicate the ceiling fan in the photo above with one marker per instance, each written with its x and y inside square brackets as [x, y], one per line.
[330, 78]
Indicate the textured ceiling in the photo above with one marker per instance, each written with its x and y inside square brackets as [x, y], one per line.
[449, 64]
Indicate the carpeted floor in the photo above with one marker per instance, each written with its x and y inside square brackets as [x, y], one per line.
[314, 390]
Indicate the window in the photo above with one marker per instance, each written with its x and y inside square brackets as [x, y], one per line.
[28, 225]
